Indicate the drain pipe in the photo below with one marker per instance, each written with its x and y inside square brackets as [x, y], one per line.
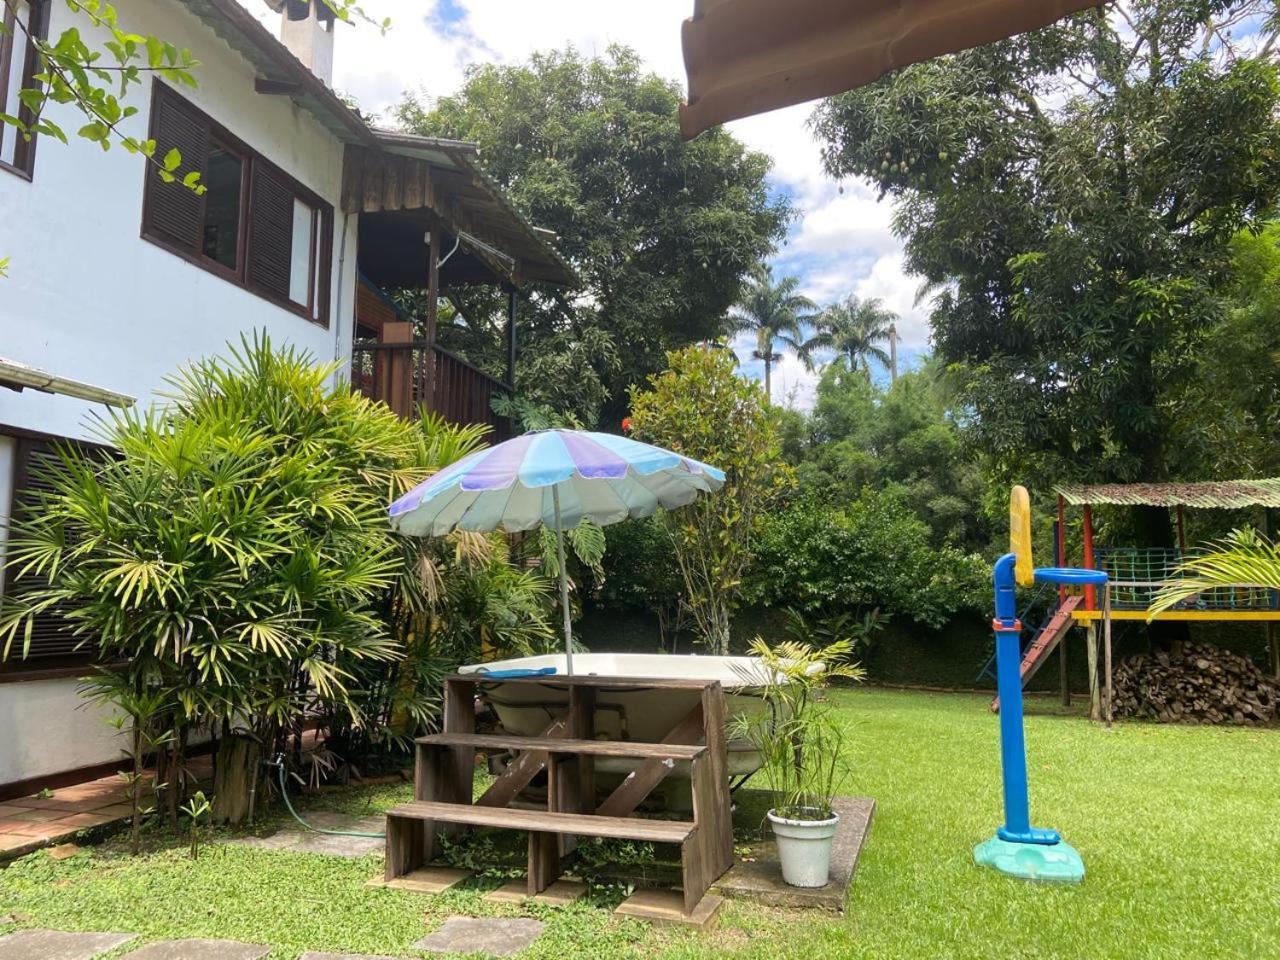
[278, 763]
[337, 312]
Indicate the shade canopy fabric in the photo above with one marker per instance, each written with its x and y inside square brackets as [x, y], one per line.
[1216, 494]
[596, 476]
[745, 57]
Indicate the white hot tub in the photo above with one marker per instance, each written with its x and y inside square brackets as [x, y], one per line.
[643, 715]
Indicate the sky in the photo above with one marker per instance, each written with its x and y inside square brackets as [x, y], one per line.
[840, 243]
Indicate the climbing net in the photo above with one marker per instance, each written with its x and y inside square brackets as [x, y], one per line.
[1138, 573]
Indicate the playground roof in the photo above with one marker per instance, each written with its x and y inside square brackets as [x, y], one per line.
[1220, 494]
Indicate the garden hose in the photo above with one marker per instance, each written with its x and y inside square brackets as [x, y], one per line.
[278, 763]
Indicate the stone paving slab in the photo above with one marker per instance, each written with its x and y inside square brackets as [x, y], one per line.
[298, 840]
[559, 894]
[761, 880]
[496, 936]
[314, 955]
[666, 908]
[424, 880]
[198, 950]
[57, 945]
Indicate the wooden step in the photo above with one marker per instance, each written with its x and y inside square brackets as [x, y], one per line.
[543, 821]
[586, 748]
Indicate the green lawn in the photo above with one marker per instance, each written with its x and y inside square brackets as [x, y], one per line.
[1179, 828]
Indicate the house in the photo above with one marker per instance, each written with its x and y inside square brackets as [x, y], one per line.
[116, 278]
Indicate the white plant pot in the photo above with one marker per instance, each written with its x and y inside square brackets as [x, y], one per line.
[804, 848]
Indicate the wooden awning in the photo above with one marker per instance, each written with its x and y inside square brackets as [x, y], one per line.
[745, 57]
[406, 174]
[1214, 494]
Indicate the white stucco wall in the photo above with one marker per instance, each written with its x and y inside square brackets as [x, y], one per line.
[87, 298]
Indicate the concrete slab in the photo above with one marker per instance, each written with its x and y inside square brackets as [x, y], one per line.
[496, 936]
[306, 841]
[666, 908]
[559, 894]
[313, 955]
[424, 880]
[761, 880]
[198, 950]
[57, 945]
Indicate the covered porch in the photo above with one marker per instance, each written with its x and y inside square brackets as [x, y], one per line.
[432, 222]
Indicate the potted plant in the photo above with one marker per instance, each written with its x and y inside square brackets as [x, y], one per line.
[801, 748]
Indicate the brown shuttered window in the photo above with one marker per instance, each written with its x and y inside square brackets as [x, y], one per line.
[270, 232]
[53, 645]
[20, 21]
[254, 225]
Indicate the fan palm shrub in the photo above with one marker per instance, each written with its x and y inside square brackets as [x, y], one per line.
[236, 557]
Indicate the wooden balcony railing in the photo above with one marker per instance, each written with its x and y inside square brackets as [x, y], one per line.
[405, 374]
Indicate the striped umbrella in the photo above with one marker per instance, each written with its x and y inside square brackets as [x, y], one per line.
[556, 478]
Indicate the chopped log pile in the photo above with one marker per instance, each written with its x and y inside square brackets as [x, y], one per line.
[1206, 684]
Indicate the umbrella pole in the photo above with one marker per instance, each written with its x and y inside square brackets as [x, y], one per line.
[564, 584]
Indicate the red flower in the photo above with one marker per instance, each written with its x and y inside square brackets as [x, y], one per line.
[626, 424]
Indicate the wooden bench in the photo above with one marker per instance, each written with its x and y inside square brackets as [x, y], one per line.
[566, 750]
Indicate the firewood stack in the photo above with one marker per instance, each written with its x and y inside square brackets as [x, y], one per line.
[1205, 685]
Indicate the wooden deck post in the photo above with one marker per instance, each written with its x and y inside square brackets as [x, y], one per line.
[1095, 695]
[433, 313]
[399, 368]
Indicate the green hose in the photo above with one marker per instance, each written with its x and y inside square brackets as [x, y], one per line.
[278, 763]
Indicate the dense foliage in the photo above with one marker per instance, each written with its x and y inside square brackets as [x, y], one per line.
[1072, 195]
[872, 553]
[661, 231]
[701, 408]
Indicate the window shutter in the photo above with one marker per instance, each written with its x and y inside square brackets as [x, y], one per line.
[51, 635]
[175, 212]
[270, 231]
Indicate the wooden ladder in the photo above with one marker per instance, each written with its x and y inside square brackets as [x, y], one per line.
[445, 768]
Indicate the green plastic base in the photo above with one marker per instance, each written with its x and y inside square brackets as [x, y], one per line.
[1057, 862]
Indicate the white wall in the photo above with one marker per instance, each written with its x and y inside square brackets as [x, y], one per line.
[87, 298]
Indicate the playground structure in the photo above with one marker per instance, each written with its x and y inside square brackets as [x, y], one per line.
[1136, 574]
[1018, 849]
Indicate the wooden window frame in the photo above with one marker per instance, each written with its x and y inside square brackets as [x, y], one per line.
[316, 310]
[24, 156]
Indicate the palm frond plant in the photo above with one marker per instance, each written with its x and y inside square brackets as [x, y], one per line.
[799, 741]
[801, 747]
[1244, 558]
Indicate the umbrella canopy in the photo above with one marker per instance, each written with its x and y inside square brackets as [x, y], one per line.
[747, 56]
[595, 476]
[556, 478]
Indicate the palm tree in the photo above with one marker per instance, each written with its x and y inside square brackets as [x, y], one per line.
[773, 312]
[855, 330]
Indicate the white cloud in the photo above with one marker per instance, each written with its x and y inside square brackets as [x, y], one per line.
[889, 281]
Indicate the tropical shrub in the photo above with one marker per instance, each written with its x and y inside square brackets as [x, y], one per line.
[701, 408]
[873, 553]
[236, 557]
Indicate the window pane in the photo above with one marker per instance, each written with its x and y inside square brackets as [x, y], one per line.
[300, 255]
[13, 58]
[221, 205]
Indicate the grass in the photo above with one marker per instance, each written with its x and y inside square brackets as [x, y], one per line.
[1179, 828]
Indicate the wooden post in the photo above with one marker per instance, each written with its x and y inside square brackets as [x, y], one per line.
[1273, 649]
[1106, 644]
[1095, 695]
[513, 303]
[433, 314]
[1090, 593]
[1064, 687]
[399, 368]
[1182, 530]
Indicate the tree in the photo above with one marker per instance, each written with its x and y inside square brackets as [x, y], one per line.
[772, 313]
[701, 408]
[1072, 194]
[661, 231]
[855, 331]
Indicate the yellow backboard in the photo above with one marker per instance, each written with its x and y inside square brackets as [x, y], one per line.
[1020, 535]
